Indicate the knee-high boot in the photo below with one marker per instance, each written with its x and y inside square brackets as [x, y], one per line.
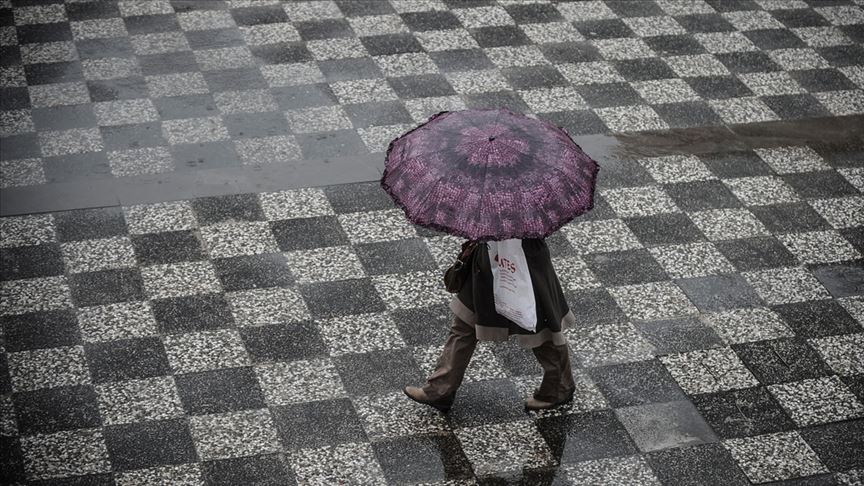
[450, 368]
[558, 381]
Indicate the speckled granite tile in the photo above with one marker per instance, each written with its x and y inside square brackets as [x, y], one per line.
[48, 368]
[841, 212]
[786, 285]
[236, 238]
[600, 236]
[551, 32]
[762, 190]
[224, 58]
[631, 118]
[325, 264]
[177, 280]
[639, 201]
[613, 470]
[728, 224]
[180, 475]
[392, 415]
[774, 457]
[697, 65]
[66, 453]
[349, 463]
[608, 344]
[817, 401]
[194, 130]
[691, 260]
[485, 447]
[95, 255]
[708, 371]
[844, 353]
[299, 381]
[443, 40]
[748, 325]
[654, 300]
[26, 230]
[34, 295]
[234, 434]
[819, 247]
[160, 217]
[553, 99]
[292, 74]
[267, 306]
[22, 172]
[574, 274]
[112, 322]
[139, 400]
[204, 351]
[360, 333]
[74, 141]
[798, 59]
[411, 290]
[263, 34]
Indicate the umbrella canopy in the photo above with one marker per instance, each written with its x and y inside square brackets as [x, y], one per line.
[489, 175]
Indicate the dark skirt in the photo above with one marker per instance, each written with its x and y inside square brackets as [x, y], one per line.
[475, 303]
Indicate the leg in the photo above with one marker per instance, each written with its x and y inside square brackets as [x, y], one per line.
[450, 369]
[558, 384]
[440, 388]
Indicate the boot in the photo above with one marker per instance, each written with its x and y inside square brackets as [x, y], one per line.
[440, 388]
[418, 395]
[558, 385]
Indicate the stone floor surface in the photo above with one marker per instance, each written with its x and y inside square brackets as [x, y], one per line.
[264, 337]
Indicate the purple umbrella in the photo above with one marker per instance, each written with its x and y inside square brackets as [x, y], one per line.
[489, 175]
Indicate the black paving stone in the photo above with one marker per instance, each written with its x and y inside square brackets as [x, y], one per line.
[378, 371]
[743, 413]
[680, 335]
[31, 261]
[167, 247]
[781, 360]
[422, 458]
[39, 330]
[317, 424]
[52, 410]
[191, 313]
[586, 436]
[708, 464]
[107, 287]
[636, 383]
[128, 359]
[283, 342]
[816, 318]
[219, 391]
[149, 444]
[262, 469]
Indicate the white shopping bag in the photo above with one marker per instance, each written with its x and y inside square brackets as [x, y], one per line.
[511, 283]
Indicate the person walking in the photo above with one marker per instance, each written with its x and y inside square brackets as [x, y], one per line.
[475, 319]
[504, 181]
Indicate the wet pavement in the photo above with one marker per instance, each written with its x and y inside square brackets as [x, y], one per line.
[198, 284]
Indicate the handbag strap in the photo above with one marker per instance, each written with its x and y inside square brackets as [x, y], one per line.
[467, 248]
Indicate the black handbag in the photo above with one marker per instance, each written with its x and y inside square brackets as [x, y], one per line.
[455, 276]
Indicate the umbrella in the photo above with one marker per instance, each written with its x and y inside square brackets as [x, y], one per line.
[489, 175]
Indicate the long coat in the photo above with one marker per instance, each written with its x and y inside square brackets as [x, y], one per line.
[475, 303]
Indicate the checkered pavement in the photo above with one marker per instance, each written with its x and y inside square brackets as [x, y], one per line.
[98, 90]
[264, 338]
